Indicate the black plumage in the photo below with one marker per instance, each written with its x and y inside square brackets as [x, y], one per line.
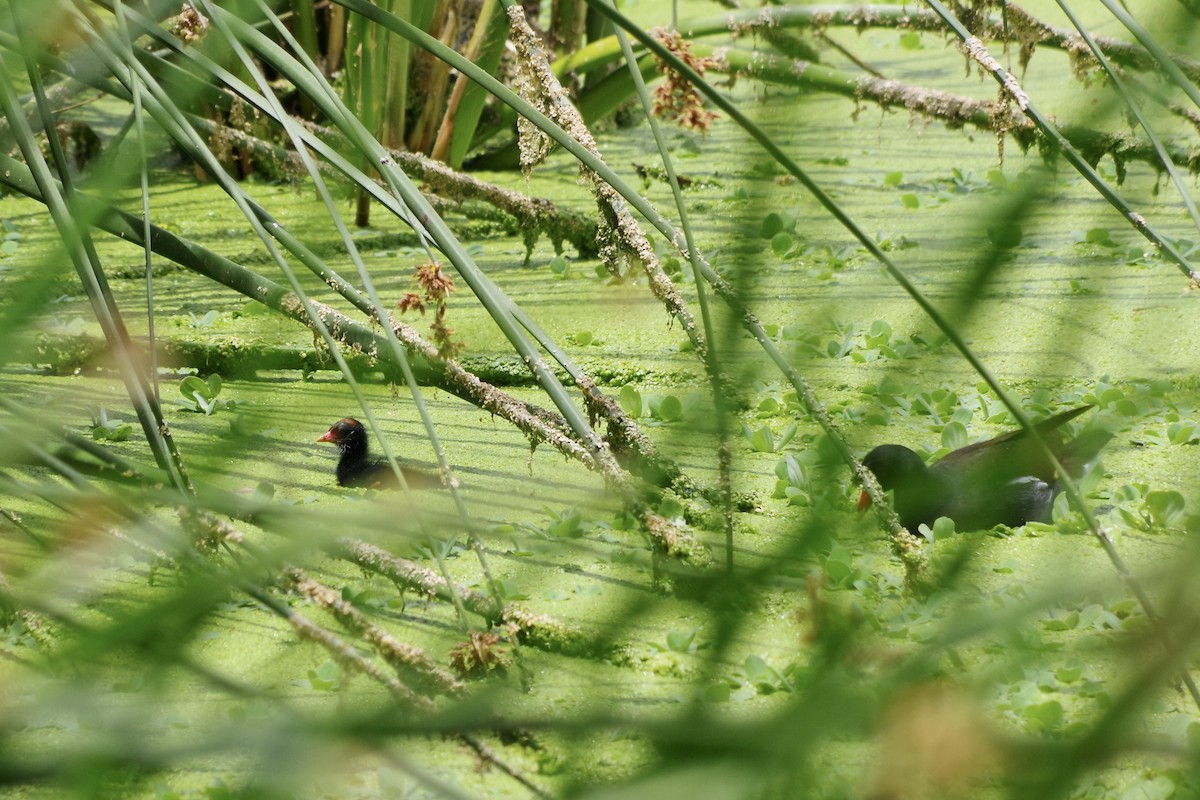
[1002, 481]
[357, 468]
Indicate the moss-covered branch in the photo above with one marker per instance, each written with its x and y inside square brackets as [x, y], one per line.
[537, 630]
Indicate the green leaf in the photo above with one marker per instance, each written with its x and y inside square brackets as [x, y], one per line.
[325, 677]
[781, 243]
[954, 435]
[943, 528]
[910, 200]
[838, 565]
[560, 267]
[788, 434]
[630, 400]
[758, 670]
[1131, 518]
[1160, 787]
[1068, 674]
[1067, 623]
[1047, 716]
[1164, 507]
[789, 471]
[893, 178]
[1183, 432]
[772, 224]
[509, 591]
[796, 496]
[795, 472]
[681, 641]
[769, 407]
[1089, 616]
[763, 440]
[191, 386]
[910, 40]
[1061, 510]
[120, 433]
[253, 308]
[204, 322]
[207, 406]
[670, 409]
[567, 526]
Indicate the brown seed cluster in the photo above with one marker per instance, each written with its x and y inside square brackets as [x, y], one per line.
[676, 99]
[480, 656]
[435, 287]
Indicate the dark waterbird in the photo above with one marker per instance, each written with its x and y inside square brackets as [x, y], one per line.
[1003, 481]
[356, 468]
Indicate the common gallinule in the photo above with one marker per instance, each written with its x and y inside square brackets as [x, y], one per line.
[1003, 481]
[355, 468]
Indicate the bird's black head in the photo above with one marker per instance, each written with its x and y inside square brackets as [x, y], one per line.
[894, 465]
[348, 434]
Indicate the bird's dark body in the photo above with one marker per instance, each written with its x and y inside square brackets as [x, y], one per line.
[1002, 481]
[356, 468]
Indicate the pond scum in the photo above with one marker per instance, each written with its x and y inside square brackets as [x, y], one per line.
[645, 399]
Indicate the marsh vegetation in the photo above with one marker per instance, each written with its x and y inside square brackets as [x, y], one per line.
[643, 335]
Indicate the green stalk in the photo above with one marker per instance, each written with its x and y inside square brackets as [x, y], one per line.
[305, 15]
[393, 58]
[175, 125]
[467, 100]
[362, 91]
[1164, 59]
[144, 179]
